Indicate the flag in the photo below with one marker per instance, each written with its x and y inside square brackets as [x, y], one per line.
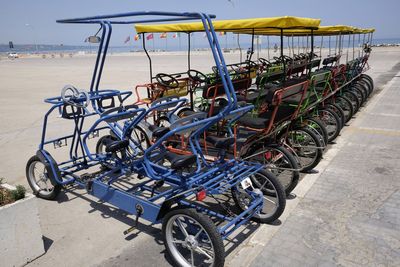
[150, 36]
[163, 35]
[174, 35]
[222, 33]
[137, 37]
[127, 39]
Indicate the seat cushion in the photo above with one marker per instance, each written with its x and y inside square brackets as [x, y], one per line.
[180, 161]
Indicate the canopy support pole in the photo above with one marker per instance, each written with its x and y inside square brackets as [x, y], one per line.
[240, 49]
[312, 50]
[340, 48]
[151, 66]
[284, 64]
[189, 67]
[252, 46]
[320, 49]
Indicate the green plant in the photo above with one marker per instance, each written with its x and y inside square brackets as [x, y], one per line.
[10, 196]
[18, 193]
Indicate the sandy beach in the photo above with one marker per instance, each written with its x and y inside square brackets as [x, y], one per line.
[26, 82]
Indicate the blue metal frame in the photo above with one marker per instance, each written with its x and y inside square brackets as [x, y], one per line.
[120, 121]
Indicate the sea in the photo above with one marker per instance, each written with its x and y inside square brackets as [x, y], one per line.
[197, 43]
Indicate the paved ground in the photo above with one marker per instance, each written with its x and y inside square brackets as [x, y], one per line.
[79, 231]
[351, 215]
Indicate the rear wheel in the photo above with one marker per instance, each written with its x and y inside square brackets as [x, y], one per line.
[307, 147]
[191, 239]
[279, 161]
[332, 122]
[39, 179]
[335, 108]
[272, 192]
[319, 128]
[345, 104]
[353, 99]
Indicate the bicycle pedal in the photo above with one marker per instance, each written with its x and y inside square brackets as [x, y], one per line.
[129, 230]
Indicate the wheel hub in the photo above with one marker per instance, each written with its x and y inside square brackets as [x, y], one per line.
[191, 242]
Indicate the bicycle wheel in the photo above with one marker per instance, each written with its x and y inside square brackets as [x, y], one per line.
[273, 195]
[319, 128]
[40, 180]
[307, 147]
[353, 99]
[345, 104]
[279, 161]
[337, 109]
[191, 239]
[332, 122]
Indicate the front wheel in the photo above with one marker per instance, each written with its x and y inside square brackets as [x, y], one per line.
[39, 179]
[273, 195]
[191, 239]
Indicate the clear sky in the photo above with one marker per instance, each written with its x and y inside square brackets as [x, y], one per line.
[29, 21]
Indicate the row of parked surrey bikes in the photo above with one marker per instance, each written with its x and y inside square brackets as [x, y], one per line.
[203, 153]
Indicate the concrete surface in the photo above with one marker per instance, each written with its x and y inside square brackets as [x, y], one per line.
[78, 230]
[351, 215]
[20, 233]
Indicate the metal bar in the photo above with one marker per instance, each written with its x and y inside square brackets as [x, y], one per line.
[104, 55]
[180, 16]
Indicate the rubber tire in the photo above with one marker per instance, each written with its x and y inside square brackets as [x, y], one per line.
[338, 123]
[319, 150]
[364, 87]
[57, 187]
[322, 129]
[209, 227]
[338, 110]
[292, 161]
[353, 99]
[360, 91]
[345, 102]
[281, 196]
[370, 81]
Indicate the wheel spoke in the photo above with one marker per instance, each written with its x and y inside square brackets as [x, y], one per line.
[204, 253]
[198, 233]
[178, 242]
[269, 200]
[181, 227]
[192, 256]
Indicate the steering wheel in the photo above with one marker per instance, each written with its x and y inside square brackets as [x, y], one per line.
[198, 76]
[74, 97]
[252, 64]
[167, 80]
[264, 61]
[287, 58]
[313, 55]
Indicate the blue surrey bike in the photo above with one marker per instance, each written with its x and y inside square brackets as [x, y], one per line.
[180, 191]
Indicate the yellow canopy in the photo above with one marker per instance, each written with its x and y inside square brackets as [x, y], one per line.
[358, 30]
[286, 22]
[322, 30]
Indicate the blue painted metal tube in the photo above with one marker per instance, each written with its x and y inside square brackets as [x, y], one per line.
[180, 16]
[242, 217]
[103, 33]
[125, 201]
[207, 211]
